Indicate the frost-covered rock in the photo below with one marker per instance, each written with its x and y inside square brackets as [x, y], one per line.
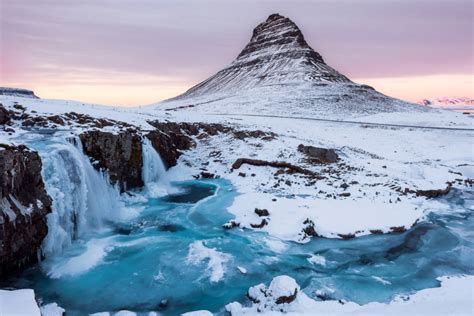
[24, 205]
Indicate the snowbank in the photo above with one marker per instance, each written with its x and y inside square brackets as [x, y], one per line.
[331, 218]
[453, 297]
[18, 303]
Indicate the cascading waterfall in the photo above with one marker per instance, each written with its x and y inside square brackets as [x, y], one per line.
[154, 172]
[83, 198]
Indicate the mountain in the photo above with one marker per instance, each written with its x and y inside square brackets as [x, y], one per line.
[279, 73]
[17, 92]
[456, 104]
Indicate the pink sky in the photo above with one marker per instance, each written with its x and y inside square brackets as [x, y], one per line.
[142, 51]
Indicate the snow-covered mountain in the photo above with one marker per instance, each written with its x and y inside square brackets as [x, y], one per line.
[457, 104]
[279, 73]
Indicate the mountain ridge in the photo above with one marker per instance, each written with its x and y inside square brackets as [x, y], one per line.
[277, 72]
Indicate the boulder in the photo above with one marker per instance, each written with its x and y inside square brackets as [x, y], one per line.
[118, 154]
[24, 204]
[4, 115]
[319, 155]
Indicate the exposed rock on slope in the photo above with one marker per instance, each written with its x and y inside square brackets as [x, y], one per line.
[278, 73]
[319, 155]
[119, 154]
[24, 205]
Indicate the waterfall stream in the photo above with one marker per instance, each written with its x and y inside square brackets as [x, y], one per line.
[83, 199]
[154, 172]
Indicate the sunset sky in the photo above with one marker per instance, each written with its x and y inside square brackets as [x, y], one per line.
[142, 51]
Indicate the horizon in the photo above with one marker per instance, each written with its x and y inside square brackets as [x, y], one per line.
[66, 52]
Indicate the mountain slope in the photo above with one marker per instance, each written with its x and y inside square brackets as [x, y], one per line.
[279, 73]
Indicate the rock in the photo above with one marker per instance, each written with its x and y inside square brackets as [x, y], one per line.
[24, 204]
[231, 224]
[282, 290]
[309, 230]
[208, 175]
[346, 236]
[276, 164]
[169, 140]
[262, 224]
[262, 212]
[4, 115]
[119, 154]
[434, 193]
[345, 194]
[319, 155]
[398, 229]
[242, 174]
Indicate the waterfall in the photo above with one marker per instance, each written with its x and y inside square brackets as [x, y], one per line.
[83, 198]
[154, 172]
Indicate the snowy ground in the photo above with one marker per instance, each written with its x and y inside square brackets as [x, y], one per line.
[360, 194]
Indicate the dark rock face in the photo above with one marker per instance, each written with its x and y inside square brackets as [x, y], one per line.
[434, 193]
[262, 212]
[4, 115]
[319, 155]
[119, 154]
[24, 205]
[169, 140]
[287, 299]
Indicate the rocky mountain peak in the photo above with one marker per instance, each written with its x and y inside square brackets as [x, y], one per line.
[278, 32]
[277, 54]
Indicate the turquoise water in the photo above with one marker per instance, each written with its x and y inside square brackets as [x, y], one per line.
[175, 250]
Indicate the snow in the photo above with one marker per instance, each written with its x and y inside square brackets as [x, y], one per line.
[216, 260]
[330, 217]
[198, 313]
[52, 309]
[453, 297]
[18, 303]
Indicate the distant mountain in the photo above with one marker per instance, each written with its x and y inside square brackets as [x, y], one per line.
[17, 92]
[457, 104]
[279, 72]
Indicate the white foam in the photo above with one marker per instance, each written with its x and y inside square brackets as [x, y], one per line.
[198, 252]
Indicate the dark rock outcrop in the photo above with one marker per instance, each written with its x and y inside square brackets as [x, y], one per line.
[24, 205]
[118, 154]
[4, 115]
[275, 164]
[170, 139]
[319, 155]
[262, 212]
[434, 193]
